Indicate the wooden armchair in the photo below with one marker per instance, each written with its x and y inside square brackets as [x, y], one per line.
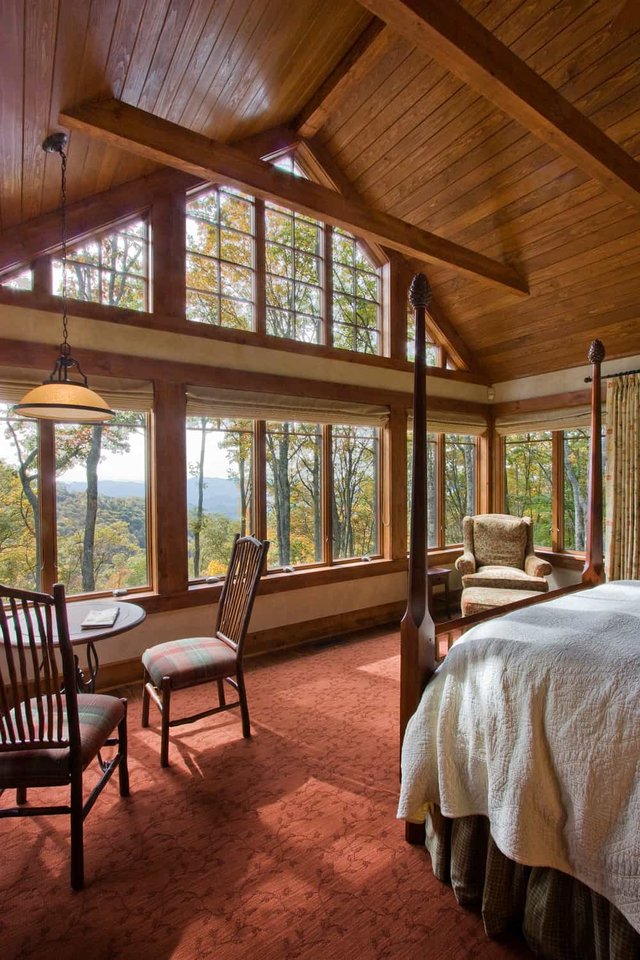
[180, 664]
[49, 733]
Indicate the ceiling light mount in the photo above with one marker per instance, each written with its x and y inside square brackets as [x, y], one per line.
[63, 397]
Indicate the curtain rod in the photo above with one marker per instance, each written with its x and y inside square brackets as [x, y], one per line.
[609, 376]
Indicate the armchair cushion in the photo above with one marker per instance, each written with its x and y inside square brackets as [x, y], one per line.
[536, 567]
[466, 563]
[499, 540]
[504, 578]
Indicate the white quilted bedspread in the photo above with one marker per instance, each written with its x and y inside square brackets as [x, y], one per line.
[534, 721]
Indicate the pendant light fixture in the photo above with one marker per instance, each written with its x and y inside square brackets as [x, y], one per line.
[65, 396]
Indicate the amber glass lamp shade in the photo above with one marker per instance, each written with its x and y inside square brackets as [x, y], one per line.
[64, 402]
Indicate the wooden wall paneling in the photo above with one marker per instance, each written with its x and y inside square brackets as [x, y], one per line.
[370, 45]
[450, 35]
[48, 554]
[141, 133]
[396, 278]
[11, 109]
[169, 488]
[394, 510]
[39, 22]
[486, 467]
[167, 256]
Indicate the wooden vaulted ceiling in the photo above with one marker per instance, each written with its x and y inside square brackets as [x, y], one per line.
[410, 138]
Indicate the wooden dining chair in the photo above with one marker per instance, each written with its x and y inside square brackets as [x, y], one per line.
[49, 733]
[179, 664]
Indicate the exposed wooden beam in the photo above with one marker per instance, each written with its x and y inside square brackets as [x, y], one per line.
[269, 142]
[20, 245]
[444, 30]
[159, 140]
[34, 238]
[367, 49]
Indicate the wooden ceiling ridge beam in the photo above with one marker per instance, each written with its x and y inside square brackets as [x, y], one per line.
[367, 49]
[161, 141]
[450, 35]
[22, 244]
[441, 327]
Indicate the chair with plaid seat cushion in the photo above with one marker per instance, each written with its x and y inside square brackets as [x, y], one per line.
[180, 664]
[49, 733]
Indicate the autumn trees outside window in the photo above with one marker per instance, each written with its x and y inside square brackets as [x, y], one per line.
[546, 478]
[252, 265]
[81, 517]
[452, 492]
[220, 259]
[112, 268]
[306, 522]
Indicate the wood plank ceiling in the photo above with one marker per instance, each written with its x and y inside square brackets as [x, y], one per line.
[412, 139]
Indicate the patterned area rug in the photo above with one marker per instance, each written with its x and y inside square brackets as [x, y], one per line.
[282, 846]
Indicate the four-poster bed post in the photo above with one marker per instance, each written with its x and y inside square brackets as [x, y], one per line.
[417, 631]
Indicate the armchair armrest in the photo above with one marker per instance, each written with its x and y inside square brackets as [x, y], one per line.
[466, 563]
[535, 567]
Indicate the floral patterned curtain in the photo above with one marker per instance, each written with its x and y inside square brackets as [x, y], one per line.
[623, 478]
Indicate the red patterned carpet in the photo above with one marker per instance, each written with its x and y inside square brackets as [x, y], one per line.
[282, 846]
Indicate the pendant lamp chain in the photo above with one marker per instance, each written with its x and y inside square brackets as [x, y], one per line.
[66, 396]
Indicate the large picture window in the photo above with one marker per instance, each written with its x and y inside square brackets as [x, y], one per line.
[528, 482]
[294, 246]
[451, 485]
[101, 505]
[294, 493]
[355, 492]
[546, 478]
[80, 517]
[220, 498]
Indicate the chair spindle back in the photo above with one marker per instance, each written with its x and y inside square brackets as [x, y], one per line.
[238, 593]
[32, 696]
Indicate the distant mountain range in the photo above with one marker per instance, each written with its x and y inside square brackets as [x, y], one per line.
[220, 495]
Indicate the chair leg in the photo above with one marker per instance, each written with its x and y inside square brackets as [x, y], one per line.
[145, 700]
[164, 735]
[21, 796]
[244, 707]
[123, 769]
[77, 840]
[221, 696]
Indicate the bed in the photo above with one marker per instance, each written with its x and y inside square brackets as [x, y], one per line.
[520, 759]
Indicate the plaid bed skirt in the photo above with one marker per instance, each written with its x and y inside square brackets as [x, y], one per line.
[560, 918]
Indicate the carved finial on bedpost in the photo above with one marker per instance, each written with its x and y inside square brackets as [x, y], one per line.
[420, 291]
[593, 572]
[596, 351]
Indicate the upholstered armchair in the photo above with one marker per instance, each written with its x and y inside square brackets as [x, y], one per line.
[498, 554]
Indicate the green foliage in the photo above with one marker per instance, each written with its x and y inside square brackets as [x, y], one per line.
[528, 474]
